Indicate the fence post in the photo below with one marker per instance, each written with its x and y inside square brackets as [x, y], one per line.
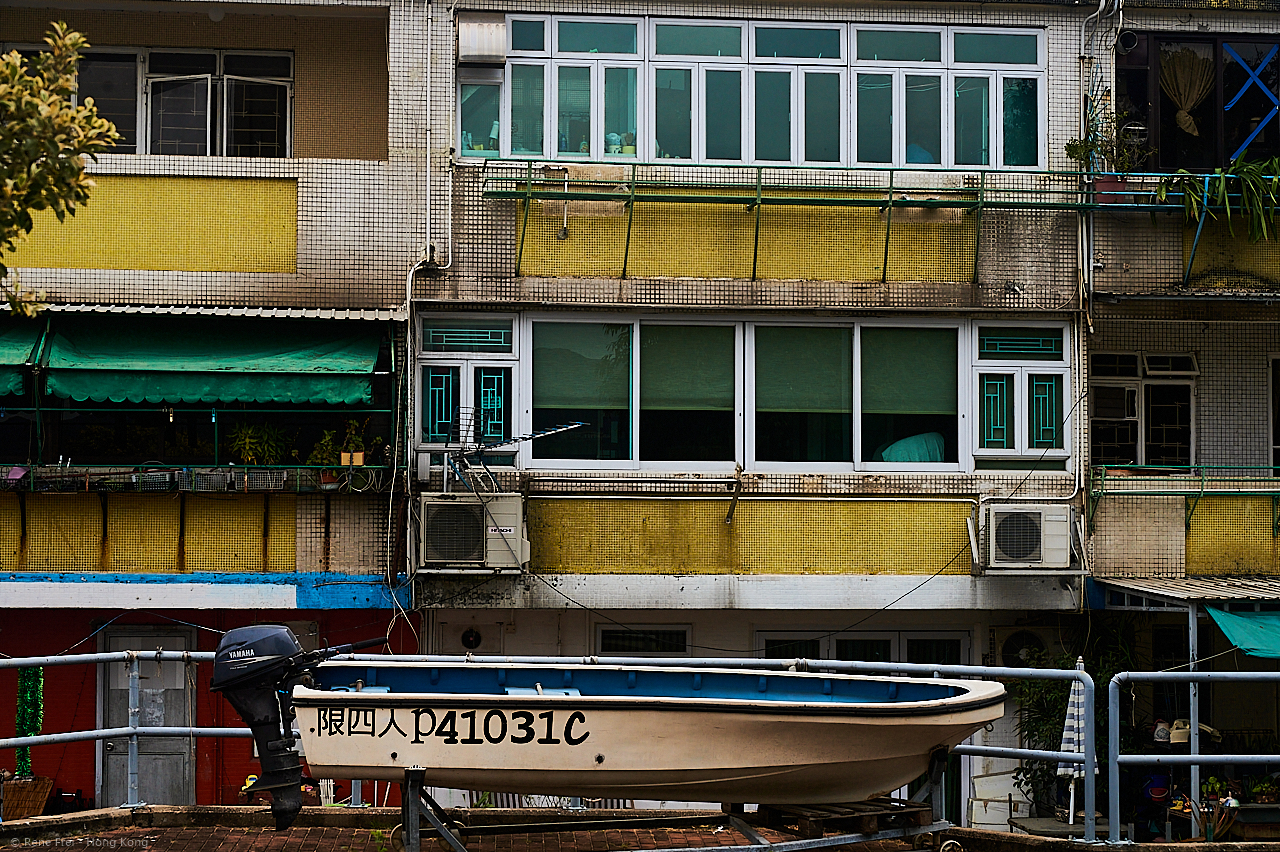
[135, 672]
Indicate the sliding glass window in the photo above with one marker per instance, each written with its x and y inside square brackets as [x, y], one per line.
[688, 394]
[582, 374]
[910, 397]
[804, 394]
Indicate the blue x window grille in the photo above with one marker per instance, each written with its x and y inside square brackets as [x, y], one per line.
[1253, 78]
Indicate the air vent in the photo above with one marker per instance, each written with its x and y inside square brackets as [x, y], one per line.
[1029, 537]
[453, 532]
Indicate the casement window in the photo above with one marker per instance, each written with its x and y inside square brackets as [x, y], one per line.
[1021, 385]
[195, 103]
[708, 393]
[756, 92]
[1200, 100]
[1142, 408]
[466, 381]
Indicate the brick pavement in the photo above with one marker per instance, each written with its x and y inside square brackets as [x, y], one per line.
[331, 839]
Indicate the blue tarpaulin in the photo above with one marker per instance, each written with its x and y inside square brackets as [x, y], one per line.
[1255, 633]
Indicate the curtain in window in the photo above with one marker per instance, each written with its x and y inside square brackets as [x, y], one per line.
[1186, 76]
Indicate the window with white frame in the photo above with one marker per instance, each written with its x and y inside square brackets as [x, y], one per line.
[466, 381]
[1142, 408]
[708, 393]
[766, 92]
[192, 102]
[1021, 385]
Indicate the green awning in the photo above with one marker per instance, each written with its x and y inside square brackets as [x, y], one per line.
[18, 337]
[1255, 633]
[211, 359]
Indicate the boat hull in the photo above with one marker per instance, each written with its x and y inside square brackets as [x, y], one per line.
[635, 747]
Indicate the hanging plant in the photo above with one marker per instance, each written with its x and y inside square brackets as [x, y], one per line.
[30, 717]
[1247, 189]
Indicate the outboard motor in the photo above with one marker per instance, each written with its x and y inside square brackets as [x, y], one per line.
[257, 668]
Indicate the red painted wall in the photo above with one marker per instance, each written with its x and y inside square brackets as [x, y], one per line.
[70, 692]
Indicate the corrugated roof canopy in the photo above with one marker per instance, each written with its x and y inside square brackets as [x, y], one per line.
[1199, 588]
[211, 359]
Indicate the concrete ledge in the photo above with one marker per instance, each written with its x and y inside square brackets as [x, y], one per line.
[977, 840]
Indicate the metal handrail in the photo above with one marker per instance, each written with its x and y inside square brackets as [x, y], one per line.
[1115, 759]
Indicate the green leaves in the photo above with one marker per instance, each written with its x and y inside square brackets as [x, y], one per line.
[44, 138]
[30, 716]
[1247, 189]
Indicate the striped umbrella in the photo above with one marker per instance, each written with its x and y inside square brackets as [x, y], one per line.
[1073, 739]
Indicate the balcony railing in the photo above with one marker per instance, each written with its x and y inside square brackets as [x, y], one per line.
[1193, 482]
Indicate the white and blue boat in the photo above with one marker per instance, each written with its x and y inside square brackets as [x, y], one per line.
[634, 731]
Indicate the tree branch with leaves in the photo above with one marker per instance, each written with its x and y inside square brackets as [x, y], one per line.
[44, 139]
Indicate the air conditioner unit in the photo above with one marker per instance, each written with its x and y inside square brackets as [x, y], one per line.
[1028, 537]
[469, 533]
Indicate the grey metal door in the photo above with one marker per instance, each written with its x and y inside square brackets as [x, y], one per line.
[166, 765]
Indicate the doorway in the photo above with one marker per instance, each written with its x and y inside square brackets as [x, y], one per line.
[166, 765]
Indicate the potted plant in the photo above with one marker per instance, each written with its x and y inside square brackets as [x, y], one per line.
[1212, 789]
[1246, 188]
[257, 443]
[1114, 147]
[353, 445]
[325, 454]
[1264, 790]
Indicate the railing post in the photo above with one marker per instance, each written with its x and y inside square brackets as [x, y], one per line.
[755, 250]
[888, 227]
[135, 712]
[977, 225]
[1113, 757]
[1193, 652]
[631, 212]
[1090, 759]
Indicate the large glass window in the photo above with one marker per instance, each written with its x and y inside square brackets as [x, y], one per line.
[528, 85]
[687, 393]
[480, 108]
[111, 79]
[467, 381]
[673, 113]
[1020, 392]
[910, 401]
[804, 399]
[773, 92]
[1136, 415]
[582, 373]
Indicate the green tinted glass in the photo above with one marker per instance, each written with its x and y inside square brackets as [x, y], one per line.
[527, 35]
[673, 112]
[528, 83]
[1044, 415]
[773, 115]
[875, 118]
[573, 110]
[1023, 344]
[800, 43]
[996, 48]
[995, 412]
[822, 118]
[1021, 122]
[680, 40]
[478, 120]
[723, 115]
[973, 121]
[596, 37]
[620, 111]
[894, 46]
[445, 335]
[924, 119]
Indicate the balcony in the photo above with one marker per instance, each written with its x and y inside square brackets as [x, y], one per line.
[1184, 521]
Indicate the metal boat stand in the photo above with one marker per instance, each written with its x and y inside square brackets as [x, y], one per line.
[417, 803]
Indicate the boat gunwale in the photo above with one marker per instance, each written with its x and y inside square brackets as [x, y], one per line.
[978, 694]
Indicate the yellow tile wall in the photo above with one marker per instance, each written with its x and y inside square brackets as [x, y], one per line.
[64, 532]
[689, 536]
[340, 63]
[282, 529]
[142, 532]
[718, 241]
[10, 531]
[195, 224]
[1233, 535]
[223, 533]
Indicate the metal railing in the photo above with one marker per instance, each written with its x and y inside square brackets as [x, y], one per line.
[1116, 760]
[135, 730]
